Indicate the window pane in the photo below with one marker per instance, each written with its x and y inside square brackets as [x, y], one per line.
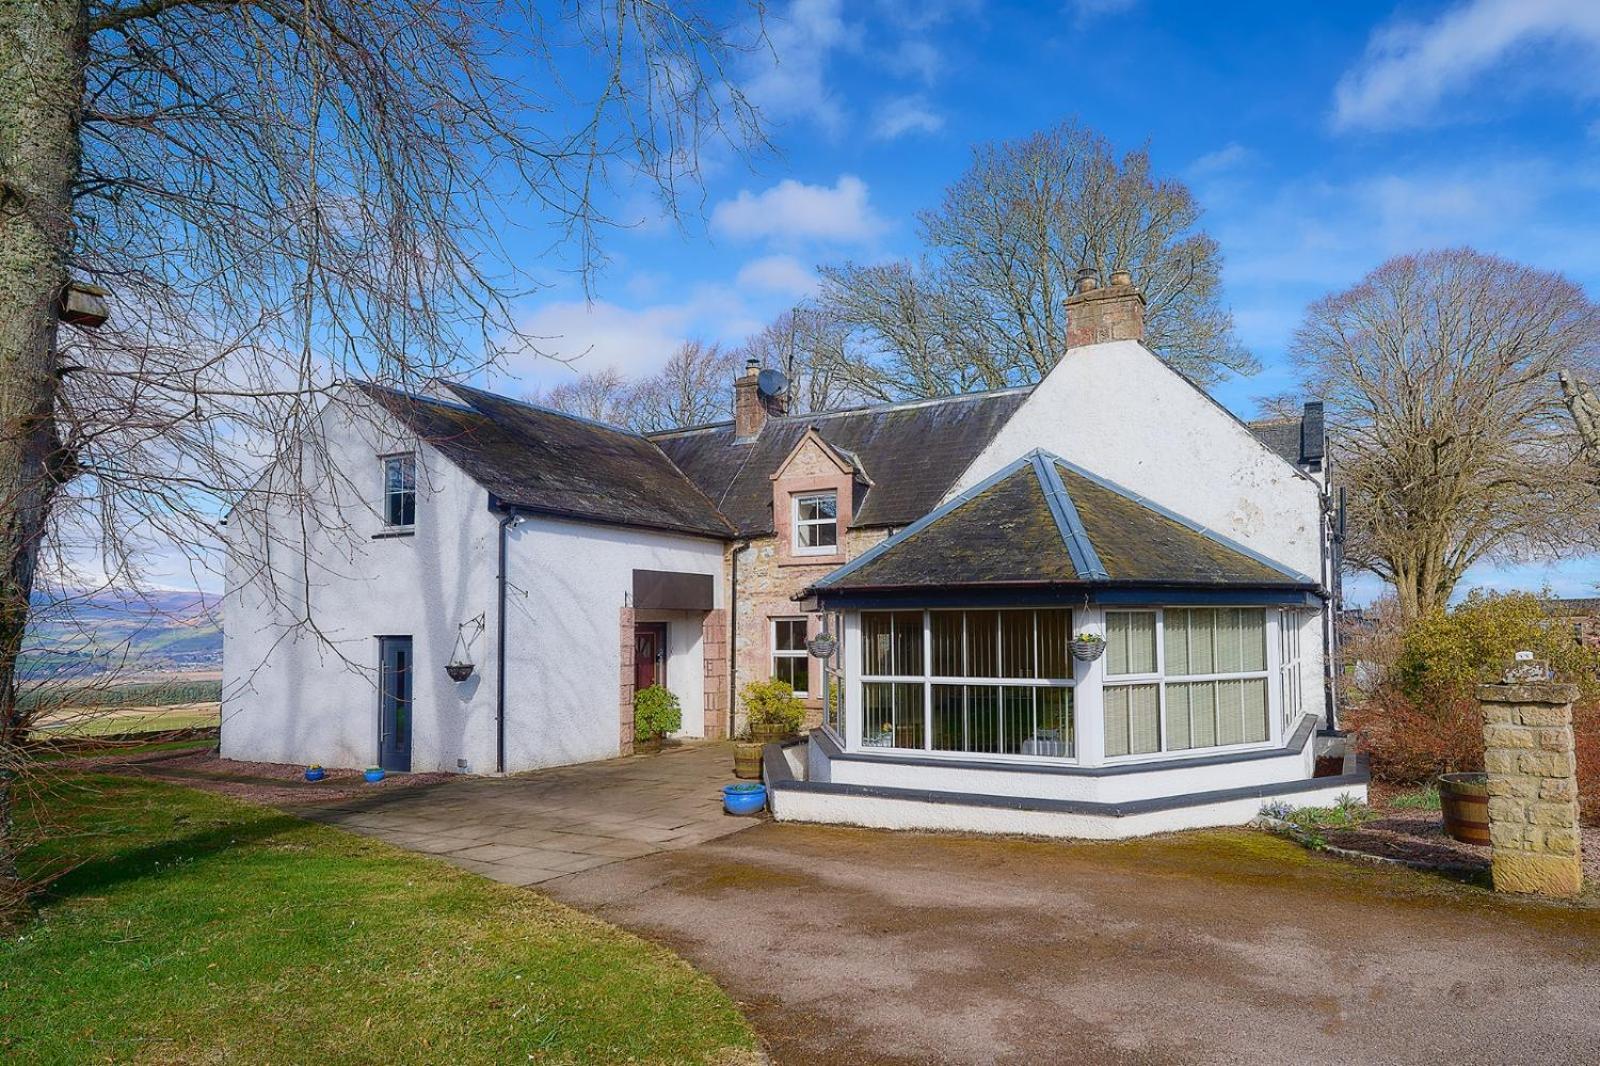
[946, 643]
[983, 635]
[1116, 700]
[1016, 644]
[1231, 713]
[983, 718]
[908, 717]
[1202, 713]
[1202, 651]
[1255, 710]
[1053, 733]
[876, 643]
[1176, 642]
[908, 643]
[824, 535]
[814, 507]
[795, 669]
[791, 634]
[1177, 715]
[1144, 702]
[1055, 634]
[1132, 639]
[1230, 648]
[1016, 721]
[1253, 639]
[877, 714]
[949, 718]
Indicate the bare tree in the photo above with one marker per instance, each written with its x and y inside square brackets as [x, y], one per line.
[984, 306]
[811, 346]
[1439, 374]
[281, 195]
[695, 387]
[603, 395]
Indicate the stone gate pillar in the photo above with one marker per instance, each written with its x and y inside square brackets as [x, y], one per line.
[1533, 787]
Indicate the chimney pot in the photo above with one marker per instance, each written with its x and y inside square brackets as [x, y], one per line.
[1088, 278]
[752, 365]
[1121, 277]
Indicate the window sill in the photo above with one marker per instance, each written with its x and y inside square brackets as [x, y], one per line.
[398, 531]
[834, 559]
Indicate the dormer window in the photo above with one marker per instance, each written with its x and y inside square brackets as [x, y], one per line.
[400, 491]
[816, 523]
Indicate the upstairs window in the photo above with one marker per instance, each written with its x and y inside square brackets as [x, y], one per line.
[400, 491]
[816, 523]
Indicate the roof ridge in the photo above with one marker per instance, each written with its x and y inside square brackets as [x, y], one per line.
[839, 412]
[1068, 523]
[544, 409]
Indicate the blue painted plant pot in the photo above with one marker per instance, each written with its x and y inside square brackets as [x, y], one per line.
[316, 775]
[746, 798]
[374, 775]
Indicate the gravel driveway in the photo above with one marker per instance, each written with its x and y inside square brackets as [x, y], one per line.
[856, 946]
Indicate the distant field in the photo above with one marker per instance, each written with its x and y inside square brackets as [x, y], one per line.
[139, 707]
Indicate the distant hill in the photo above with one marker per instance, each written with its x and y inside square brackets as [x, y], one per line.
[89, 634]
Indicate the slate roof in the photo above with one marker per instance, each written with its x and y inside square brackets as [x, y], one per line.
[912, 452]
[556, 464]
[1044, 522]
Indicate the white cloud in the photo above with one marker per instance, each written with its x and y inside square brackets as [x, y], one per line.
[789, 76]
[1410, 68]
[906, 114]
[1229, 157]
[794, 210]
[917, 57]
[780, 274]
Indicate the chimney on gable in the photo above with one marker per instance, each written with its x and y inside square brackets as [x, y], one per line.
[1097, 314]
[751, 407]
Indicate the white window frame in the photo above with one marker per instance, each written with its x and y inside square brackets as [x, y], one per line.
[383, 467]
[787, 653]
[796, 523]
[1160, 680]
[1290, 665]
[927, 679]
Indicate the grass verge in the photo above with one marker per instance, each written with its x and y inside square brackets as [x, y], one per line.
[199, 929]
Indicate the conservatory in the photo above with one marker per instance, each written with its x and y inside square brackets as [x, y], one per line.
[1048, 653]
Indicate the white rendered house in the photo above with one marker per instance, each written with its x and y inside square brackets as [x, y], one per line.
[951, 548]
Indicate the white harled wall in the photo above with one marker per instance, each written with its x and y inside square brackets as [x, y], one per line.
[570, 581]
[1117, 410]
[289, 696]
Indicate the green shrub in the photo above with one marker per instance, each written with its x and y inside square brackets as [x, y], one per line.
[773, 703]
[1423, 719]
[655, 713]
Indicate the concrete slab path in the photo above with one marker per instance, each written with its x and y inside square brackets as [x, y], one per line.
[533, 827]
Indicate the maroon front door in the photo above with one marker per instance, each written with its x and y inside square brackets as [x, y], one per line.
[649, 655]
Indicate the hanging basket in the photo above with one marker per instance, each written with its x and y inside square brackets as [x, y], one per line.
[1087, 651]
[458, 671]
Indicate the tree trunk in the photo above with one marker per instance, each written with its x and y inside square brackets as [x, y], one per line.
[43, 46]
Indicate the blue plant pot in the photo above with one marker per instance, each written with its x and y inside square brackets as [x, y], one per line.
[374, 775]
[747, 798]
[316, 775]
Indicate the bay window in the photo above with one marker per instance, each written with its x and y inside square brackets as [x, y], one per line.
[983, 682]
[1183, 678]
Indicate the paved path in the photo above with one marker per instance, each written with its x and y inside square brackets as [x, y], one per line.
[860, 946]
[533, 827]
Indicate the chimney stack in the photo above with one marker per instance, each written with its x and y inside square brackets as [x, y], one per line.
[750, 407]
[1113, 313]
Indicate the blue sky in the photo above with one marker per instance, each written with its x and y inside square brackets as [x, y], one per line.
[1320, 139]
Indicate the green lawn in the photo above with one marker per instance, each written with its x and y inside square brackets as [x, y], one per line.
[97, 724]
[200, 929]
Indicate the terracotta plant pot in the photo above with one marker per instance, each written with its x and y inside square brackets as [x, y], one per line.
[764, 733]
[1464, 801]
[747, 760]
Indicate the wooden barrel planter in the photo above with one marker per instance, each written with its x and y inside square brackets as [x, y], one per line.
[747, 760]
[1464, 799]
[762, 733]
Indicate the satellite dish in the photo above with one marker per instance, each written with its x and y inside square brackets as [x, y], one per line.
[772, 383]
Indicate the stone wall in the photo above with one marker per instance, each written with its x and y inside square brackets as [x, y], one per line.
[1533, 788]
[767, 583]
[625, 709]
[714, 649]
